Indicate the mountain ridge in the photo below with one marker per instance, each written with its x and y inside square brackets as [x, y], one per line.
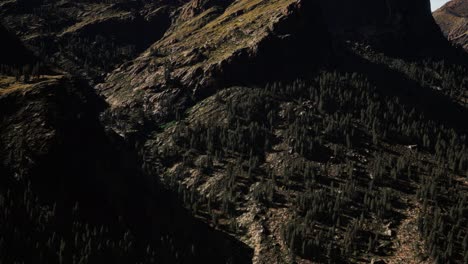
[203, 54]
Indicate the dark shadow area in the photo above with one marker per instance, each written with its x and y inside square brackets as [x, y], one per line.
[393, 83]
[13, 52]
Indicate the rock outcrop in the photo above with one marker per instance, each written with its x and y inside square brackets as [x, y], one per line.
[453, 21]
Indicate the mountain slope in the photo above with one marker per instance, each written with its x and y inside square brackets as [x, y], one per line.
[453, 20]
[280, 131]
[226, 43]
[268, 164]
[69, 193]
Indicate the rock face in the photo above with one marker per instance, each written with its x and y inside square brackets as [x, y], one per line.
[453, 21]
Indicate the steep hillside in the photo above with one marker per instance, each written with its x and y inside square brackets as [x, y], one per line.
[453, 20]
[71, 194]
[332, 170]
[242, 42]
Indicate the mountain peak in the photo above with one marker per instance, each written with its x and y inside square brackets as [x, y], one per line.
[453, 21]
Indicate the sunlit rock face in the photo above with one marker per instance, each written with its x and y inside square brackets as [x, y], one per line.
[453, 21]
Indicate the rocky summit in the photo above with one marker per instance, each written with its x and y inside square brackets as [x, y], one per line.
[233, 131]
